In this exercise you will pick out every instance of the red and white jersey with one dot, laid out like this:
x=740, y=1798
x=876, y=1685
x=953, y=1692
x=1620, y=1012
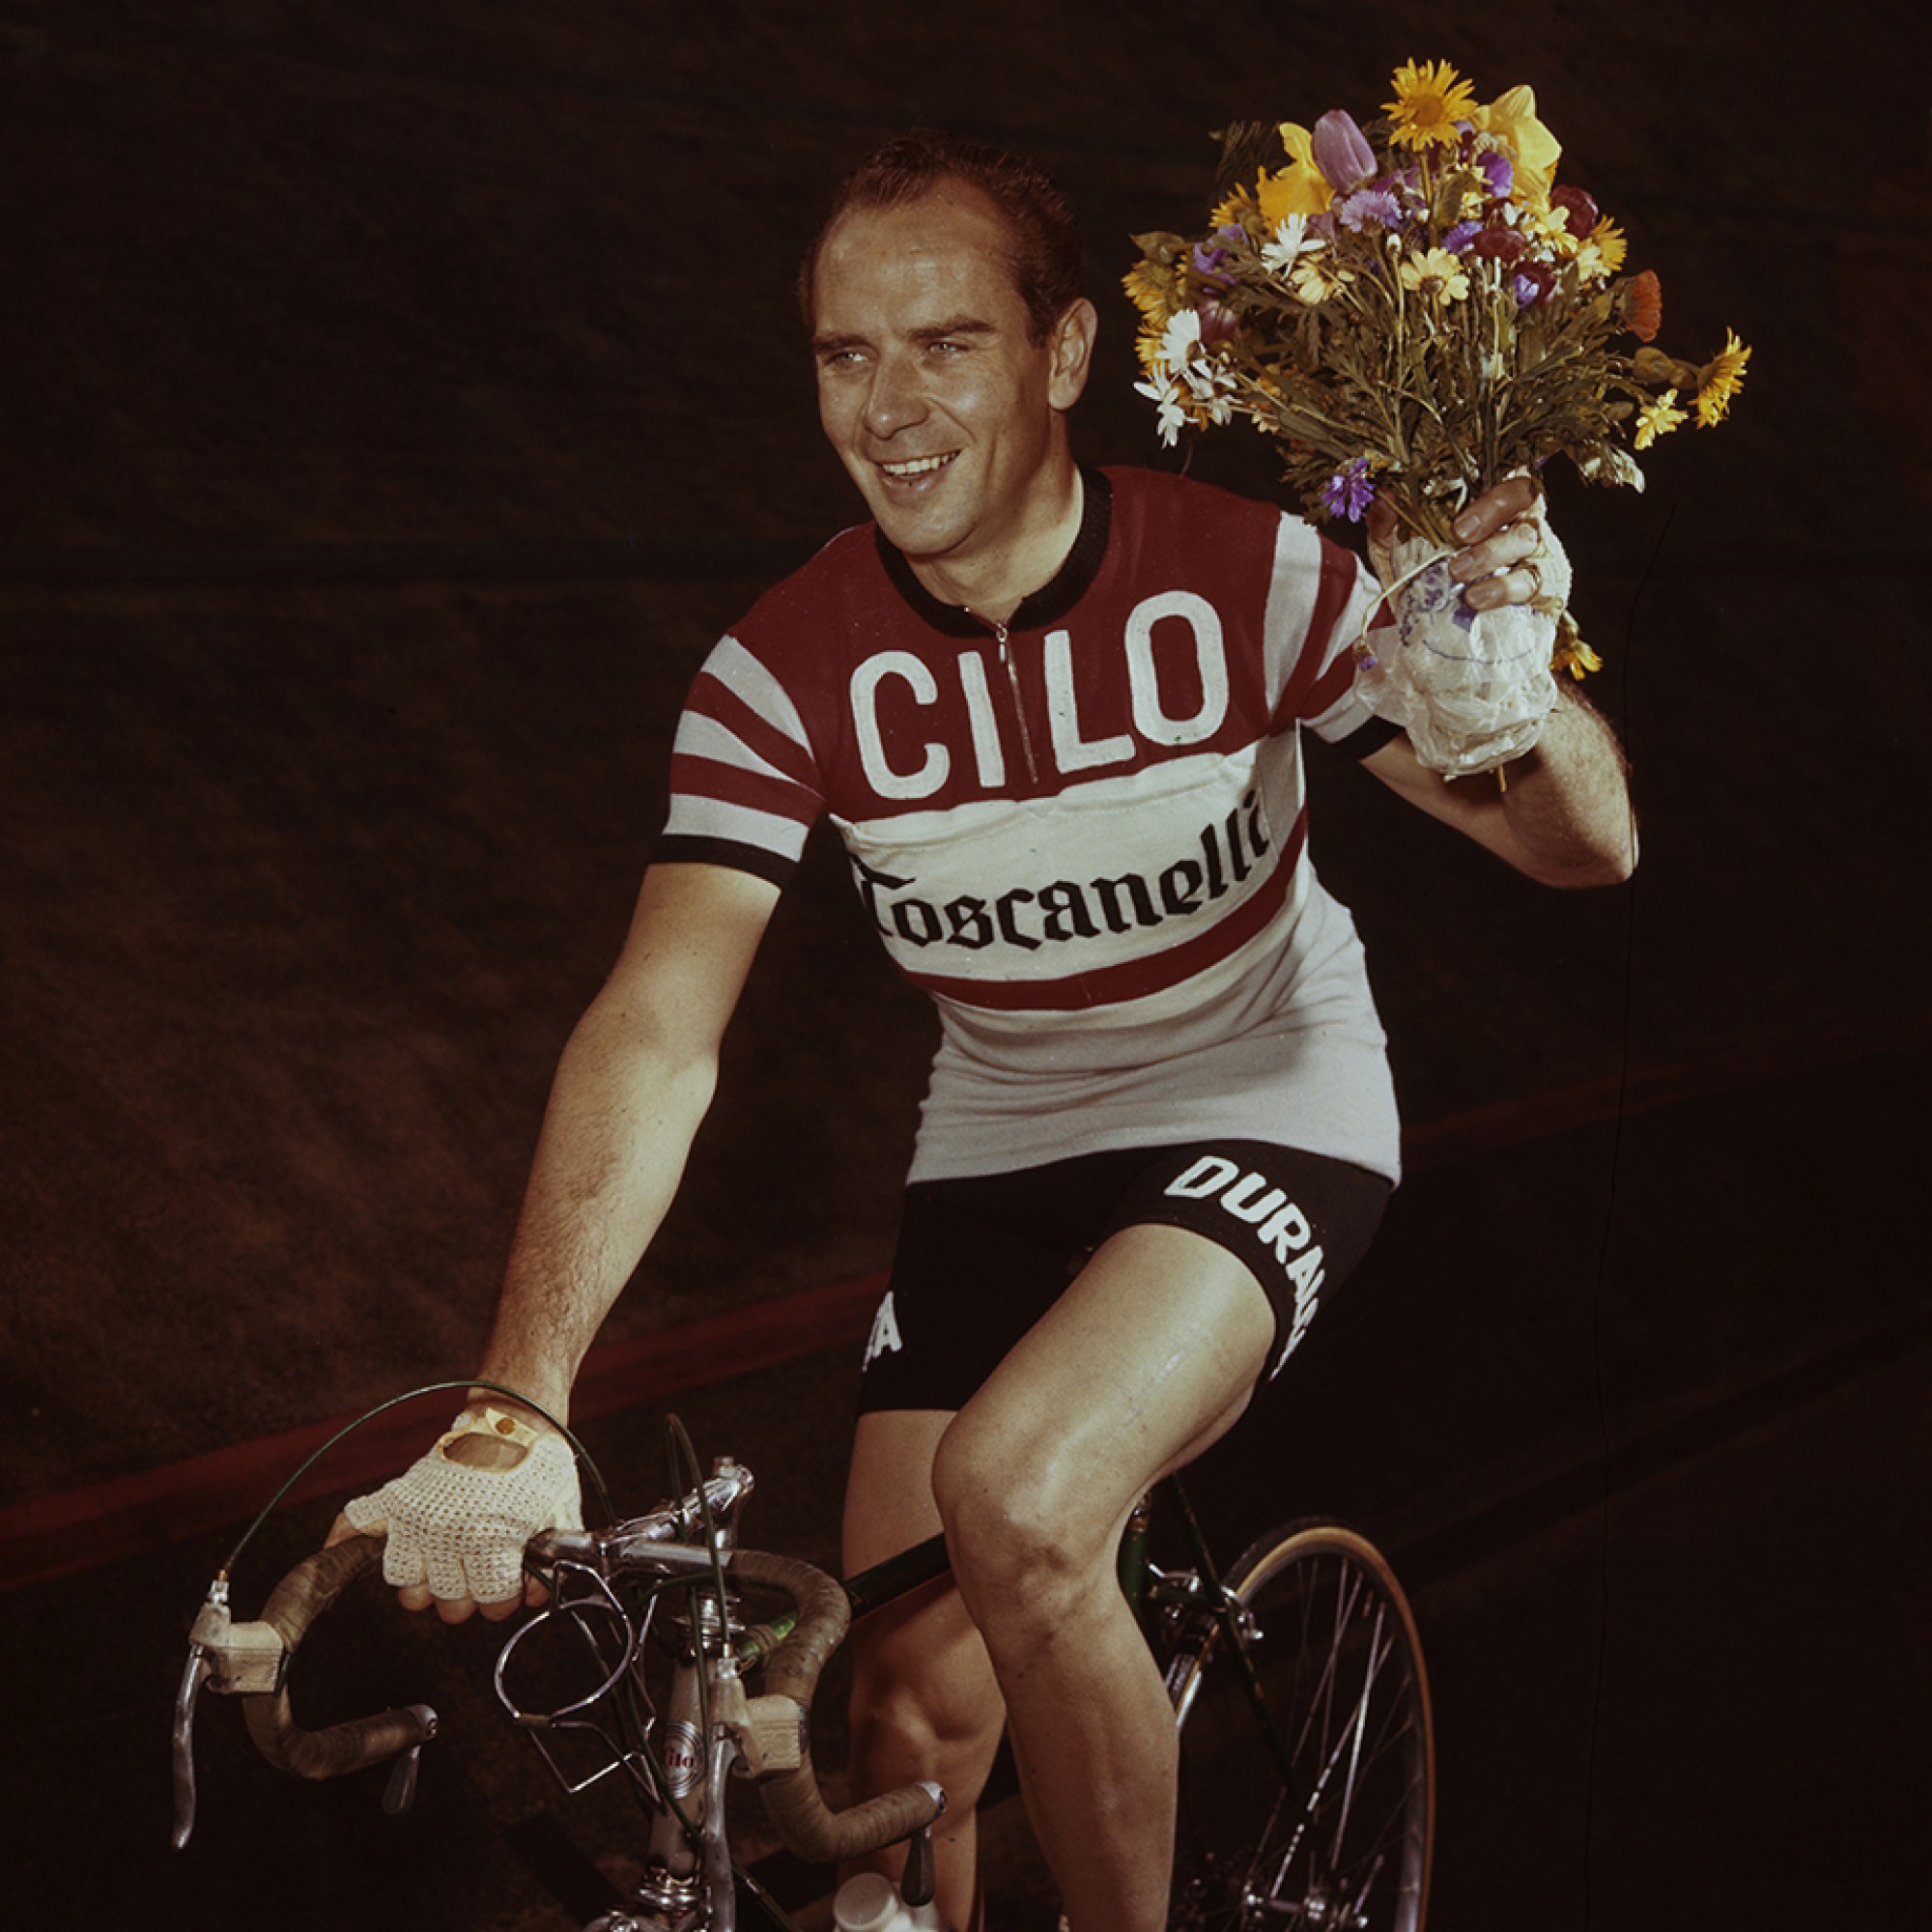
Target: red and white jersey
x=1083, y=835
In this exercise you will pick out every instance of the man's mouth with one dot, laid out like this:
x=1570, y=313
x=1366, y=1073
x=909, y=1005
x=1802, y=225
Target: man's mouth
x=918, y=466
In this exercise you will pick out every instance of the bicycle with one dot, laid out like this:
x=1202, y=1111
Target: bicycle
x=1307, y=1786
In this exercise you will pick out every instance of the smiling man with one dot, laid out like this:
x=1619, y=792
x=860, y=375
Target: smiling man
x=1054, y=715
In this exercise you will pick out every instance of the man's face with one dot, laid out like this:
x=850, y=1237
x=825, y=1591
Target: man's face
x=945, y=413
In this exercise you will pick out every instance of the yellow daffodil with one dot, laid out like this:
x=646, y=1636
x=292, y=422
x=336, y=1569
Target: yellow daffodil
x=1510, y=118
x=1659, y=418
x=1429, y=98
x=1438, y=273
x=1721, y=381
x=1300, y=187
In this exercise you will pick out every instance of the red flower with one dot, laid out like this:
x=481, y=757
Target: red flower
x=1642, y=306
x=1499, y=244
x=1582, y=207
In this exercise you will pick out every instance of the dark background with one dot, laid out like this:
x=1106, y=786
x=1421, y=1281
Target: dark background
x=400, y=399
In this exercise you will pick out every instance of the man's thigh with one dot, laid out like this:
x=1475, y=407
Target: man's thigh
x=1150, y=1356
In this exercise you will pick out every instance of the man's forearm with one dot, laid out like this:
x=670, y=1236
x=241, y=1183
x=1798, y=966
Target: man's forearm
x=1567, y=803
x=616, y=1135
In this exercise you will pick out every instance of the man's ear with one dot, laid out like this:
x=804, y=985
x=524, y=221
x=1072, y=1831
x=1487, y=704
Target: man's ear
x=1072, y=346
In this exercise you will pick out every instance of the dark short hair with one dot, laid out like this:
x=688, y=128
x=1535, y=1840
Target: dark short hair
x=1042, y=243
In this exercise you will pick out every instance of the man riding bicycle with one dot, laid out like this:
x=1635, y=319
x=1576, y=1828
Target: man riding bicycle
x=1055, y=713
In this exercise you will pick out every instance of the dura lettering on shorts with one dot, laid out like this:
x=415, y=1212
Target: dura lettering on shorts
x=885, y=1333
x=1276, y=1223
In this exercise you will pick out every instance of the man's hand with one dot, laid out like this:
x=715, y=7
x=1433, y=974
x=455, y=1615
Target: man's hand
x=456, y=1520
x=1501, y=535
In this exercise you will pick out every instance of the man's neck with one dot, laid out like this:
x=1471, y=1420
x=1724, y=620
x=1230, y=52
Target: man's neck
x=993, y=587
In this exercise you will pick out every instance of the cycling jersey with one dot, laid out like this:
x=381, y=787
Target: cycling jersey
x=1083, y=833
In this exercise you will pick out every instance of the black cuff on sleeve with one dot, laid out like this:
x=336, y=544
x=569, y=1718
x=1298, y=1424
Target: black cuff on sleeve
x=1369, y=737
x=689, y=849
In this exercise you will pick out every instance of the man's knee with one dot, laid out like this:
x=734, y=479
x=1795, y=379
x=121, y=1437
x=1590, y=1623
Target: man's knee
x=1020, y=1548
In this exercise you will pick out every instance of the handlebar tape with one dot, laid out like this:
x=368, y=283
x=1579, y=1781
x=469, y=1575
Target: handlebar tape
x=299, y=1599
x=793, y=1803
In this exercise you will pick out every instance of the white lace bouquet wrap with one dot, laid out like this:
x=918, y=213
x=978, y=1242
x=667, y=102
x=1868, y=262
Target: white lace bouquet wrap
x=1471, y=688
x=461, y=1530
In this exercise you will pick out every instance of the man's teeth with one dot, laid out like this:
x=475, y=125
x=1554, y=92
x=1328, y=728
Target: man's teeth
x=919, y=465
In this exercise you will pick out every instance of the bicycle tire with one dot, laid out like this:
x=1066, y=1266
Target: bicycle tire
x=1335, y=1649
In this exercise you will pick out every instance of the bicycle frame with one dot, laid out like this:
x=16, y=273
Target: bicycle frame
x=1184, y=1614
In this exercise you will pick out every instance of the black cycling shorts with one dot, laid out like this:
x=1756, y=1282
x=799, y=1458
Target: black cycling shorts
x=980, y=1260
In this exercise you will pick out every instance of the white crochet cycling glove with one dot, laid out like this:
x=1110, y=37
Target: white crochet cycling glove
x=463, y=1530
x=1471, y=689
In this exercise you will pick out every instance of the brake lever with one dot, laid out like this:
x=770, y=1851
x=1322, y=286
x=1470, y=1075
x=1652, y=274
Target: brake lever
x=194, y=1677
x=229, y=1658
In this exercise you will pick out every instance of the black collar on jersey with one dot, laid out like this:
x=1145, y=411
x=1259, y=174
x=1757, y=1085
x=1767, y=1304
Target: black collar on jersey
x=1052, y=601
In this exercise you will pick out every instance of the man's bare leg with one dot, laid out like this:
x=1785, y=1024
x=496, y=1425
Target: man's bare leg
x=1150, y=1356
x=924, y=1700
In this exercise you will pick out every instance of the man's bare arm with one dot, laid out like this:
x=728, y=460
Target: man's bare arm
x=633, y=1084
x=1561, y=813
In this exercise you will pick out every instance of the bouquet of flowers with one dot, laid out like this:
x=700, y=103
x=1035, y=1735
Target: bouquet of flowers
x=1412, y=312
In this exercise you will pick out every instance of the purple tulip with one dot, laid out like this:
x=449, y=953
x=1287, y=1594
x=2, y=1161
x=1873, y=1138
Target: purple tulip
x=1342, y=151
x=1498, y=172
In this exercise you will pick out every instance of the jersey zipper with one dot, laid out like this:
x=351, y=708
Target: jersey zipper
x=1019, y=709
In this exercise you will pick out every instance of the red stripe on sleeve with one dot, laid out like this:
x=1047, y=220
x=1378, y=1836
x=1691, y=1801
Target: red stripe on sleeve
x=1331, y=599
x=711, y=697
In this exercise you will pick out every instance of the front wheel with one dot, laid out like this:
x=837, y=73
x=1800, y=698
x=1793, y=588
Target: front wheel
x=1318, y=1816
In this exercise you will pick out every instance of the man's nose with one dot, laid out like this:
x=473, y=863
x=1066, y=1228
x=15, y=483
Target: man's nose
x=895, y=399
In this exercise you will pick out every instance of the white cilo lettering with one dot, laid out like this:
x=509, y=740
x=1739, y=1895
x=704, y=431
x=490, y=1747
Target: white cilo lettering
x=1070, y=751
x=865, y=682
x=1210, y=656
x=987, y=756
x=1207, y=1176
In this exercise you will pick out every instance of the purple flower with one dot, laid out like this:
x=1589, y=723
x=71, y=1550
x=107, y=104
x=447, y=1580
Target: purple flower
x=1349, y=492
x=1208, y=263
x=1498, y=171
x=1531, y=283
x=1342, y=151
x=1367, y=204
x=1460, y=236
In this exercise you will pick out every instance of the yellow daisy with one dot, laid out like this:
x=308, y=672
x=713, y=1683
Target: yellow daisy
x=1659, y=418
x=1429, y=101
x=1150, y=288
x=1239, y=210
x=1438, y=273
x=1722, y=379
x=1318, y=276
x=1602, y=250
